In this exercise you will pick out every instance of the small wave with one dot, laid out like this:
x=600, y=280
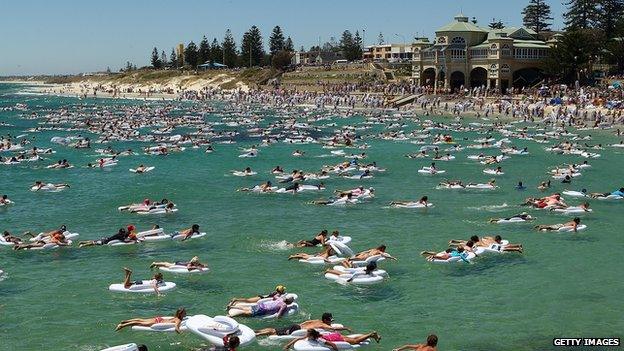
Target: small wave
x=276, y=246
x=490, y=208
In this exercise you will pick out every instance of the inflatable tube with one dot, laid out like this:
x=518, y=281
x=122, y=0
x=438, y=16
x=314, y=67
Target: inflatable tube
x=214, y=329
x=301, y=333
x=492, y=172
x=48, y=188
x=513, y=220
x=428, y=170
x=469, y=257
x=243, y=174
x=574, y=193
x=121, y=243
x=610, y=197
x=359, y=279
x=150, y=232
x=412, y=205
x=571, y=229
x=162, y=327
x=492, y=248
x=184, y=270
x=341, y=249
x=572, y=210
x=319, y=260
x=177, y=236
x=67, y=235
x=450, y=186
x=144, y=288
x=481, y=186
x=125, y=347
x=155, y=238
x=249, y=304
x=49, y=246
x=157, y=211
x=309, y=345
x=376, y=258
x=341, y=239
x=292, y=309
x=147, y=169
x=4, y=242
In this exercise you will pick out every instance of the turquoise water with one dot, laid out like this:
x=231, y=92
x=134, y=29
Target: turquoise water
x=564, y=285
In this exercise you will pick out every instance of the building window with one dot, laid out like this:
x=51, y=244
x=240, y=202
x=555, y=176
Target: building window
x=506, y=50
x=458, y=40
x=457, y=54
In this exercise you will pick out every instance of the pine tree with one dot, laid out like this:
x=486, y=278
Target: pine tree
x=229, y=49
x=610, y=11
x=216, y=53
x=252, y=50
x=496, y=24
x=581, y=14
x=358, y=46
x=289, y=45
x=380, y=39
x=276, y=40
x=173, y=59
x=347, y=44
x=536, y=16
x=191, y=55
x=204, y=51
x=163, y=59
x=156, y=63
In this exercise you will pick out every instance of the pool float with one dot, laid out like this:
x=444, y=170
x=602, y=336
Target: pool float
x=147, y=169
x=144, y=288
x=411, y=205
x=177, y=236
x=492, y=172
x=178, y=269
x=310, y=345
x=162, y=327
x=124, y=347
x=214, y=329
x=455, y=259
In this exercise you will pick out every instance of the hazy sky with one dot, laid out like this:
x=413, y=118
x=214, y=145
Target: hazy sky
x=72, y=36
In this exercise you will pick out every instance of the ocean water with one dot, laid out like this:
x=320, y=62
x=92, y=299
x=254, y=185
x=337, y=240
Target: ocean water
x=564, y=285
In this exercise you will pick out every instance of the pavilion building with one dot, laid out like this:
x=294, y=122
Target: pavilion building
x=469, y=56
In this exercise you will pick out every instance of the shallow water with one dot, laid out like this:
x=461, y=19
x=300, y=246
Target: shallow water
x=565, y=285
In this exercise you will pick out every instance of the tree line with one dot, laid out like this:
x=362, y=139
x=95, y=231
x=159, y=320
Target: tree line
x=250, y=53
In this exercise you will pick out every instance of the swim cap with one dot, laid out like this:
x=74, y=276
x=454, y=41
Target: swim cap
x=280, y=288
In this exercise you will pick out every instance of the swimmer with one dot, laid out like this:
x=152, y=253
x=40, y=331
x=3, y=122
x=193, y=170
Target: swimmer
x=330, y=338
x=555, y=227
x=319, y=239
x=325, y=323
x=156, y=280
x=179, y=315
x=189, y=232
x=430, y=345
x=193, y=264
x=362, y=256
x=324, y=254
x=278, y=306
x=279, y=291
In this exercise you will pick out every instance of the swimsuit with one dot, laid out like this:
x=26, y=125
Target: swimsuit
x=287, y=330
x=333, y=337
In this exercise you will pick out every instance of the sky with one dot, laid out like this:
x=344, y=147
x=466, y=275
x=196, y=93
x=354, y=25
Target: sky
x=74, y=36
